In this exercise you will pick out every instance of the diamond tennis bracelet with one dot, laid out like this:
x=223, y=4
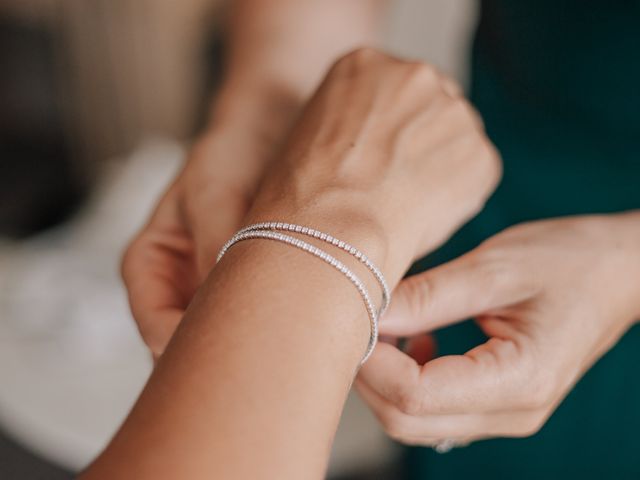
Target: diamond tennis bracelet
x=310, y=232
x=266, y=231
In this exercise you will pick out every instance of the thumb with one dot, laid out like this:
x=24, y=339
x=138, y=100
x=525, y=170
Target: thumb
x=473, y=284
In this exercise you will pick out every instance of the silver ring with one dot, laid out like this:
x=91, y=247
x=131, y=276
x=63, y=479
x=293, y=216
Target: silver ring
x=445, y=446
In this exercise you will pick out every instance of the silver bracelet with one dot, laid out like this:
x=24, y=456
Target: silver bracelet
x=325, y=237
x=334, y=262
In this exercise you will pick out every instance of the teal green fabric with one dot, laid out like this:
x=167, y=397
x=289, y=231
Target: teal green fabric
x=558, y=85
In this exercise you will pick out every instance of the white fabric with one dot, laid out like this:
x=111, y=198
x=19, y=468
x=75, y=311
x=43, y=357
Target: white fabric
x=71, y=361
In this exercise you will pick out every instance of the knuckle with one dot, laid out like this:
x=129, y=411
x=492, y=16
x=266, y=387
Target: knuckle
x=452, y=87
x=462, y=111
x=539, y=392
x=418, y=290
x=494, y=266
x=531, y=426
x=358, y=57
x=500, y=267
x=424, y=73
x=490, y=156
x=409, y=400
x=485, y=168
x=493, y=162
x=394, y=425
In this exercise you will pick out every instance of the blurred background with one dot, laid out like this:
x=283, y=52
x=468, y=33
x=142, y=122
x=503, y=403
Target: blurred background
x=98, y=102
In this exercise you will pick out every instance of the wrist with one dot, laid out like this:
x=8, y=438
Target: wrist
x=263, y=109
x=243, y=132
x=338, y=214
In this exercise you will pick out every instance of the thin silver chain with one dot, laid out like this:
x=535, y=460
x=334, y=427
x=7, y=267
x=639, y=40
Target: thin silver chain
x=247, y=234
x=325, y=237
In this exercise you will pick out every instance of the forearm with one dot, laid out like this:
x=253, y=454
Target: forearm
x=254, y=380
x=279, y=49
x=253, y=383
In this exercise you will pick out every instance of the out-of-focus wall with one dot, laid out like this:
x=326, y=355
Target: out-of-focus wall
x=136, y=66
x=438, y=31
x=125, y=68
x=129, y=68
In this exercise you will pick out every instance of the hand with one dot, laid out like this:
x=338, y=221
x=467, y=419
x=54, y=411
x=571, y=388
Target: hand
x=174, y=252
x=388, y=156
x=552, y=296
x=274, y=324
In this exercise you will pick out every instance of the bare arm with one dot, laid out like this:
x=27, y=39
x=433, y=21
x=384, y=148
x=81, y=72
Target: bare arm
x=280, y=49
x=253, y=382
x=247, y=388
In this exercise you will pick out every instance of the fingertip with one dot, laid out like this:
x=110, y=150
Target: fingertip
x=157, y=327
x=407, y=314
x=389, y=370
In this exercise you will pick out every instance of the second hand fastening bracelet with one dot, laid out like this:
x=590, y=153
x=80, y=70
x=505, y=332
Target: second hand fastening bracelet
x=266, y=231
